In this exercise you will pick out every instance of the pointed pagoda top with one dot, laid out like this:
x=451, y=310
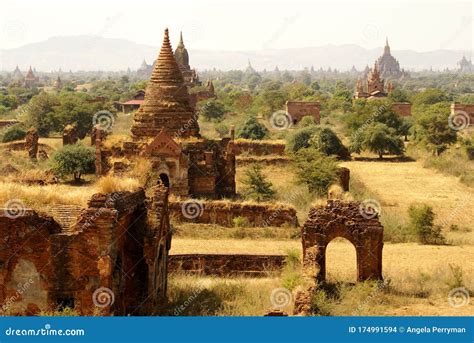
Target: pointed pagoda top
x=30, y=74
x=386, y=49
x=167, y=103
x=181, y=54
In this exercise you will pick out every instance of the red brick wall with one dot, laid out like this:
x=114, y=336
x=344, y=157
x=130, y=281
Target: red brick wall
x=300, y=109
x=467, y=108
x=403, y=109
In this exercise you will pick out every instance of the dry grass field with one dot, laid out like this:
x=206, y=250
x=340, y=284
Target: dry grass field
x=397, y=185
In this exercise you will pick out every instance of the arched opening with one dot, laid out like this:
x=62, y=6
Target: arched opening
x=341, y=261
x=165, y=180
x=295, y=121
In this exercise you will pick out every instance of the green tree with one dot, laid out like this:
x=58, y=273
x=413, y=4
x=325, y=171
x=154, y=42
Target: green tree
x=256, y=185
x=422, y=223
x=212, y=109
x=326, y=141
x=41, y=114
x=432, y=128
x=300, y=138
x=378, y=138
x=252, y=129
x=74, y=160
x=13, y=133
x=315, y=170
x=430, y=96
x=398, y=95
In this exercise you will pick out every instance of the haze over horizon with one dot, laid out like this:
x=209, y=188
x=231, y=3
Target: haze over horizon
x=246, y=25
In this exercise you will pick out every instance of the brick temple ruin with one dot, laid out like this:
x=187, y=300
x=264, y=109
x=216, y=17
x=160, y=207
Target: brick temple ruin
x=299, y=109
x=166, y=132
x=346, y=220
x=111, y=260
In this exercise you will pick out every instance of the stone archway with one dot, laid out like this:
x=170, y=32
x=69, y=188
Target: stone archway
x=343, y=219
x=165, y=180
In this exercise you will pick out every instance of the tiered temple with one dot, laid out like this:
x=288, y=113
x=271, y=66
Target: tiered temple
x=166, y=104
x=166, y=132
x=388, y=65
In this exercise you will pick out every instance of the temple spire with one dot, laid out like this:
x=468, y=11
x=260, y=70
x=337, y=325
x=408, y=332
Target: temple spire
x=386, y=50
x=181, y=43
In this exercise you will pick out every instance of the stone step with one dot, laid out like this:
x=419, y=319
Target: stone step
x=66, y=215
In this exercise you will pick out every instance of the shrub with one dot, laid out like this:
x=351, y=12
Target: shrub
x=256, y=185
x=315, y=170
x=212, y=109
x=252, y=129
x=422, y=223
x=432, y=128
x=378, y=138
x=300, y=139
x=75, y=160
x=222, y=129
x=328, y=142
x=13, y=133
x=240, y=222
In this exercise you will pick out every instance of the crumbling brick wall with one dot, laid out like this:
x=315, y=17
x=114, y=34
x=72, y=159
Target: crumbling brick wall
x=223, y=213
x=403, y=109
x=258, y=148
x=113, y=260
x=349, y=220
x=299, y=109
x=464, y=110
x=225, y=265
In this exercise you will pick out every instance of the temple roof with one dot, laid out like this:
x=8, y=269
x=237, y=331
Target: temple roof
x=166, y=104
x=181, y=54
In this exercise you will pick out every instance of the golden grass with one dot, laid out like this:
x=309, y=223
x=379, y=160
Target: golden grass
x=419, y=275
x=41, y=197
x=400, y=184
x=109, y=184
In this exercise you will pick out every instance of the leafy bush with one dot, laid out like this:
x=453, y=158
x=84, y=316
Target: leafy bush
x=222, y=129
x=13, y=133
x=213, y=109
x=378, y=138
x=432, y=128
x=252, y=129
x=422, y=223
x=328, y=142
x=240, y=222
x=300, y=139
x=257, y=187
x=315, y=170
x=75, y=160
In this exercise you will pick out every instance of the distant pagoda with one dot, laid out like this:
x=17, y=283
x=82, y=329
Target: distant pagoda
x=388, y=65
x=166, y=104
x=182, y=57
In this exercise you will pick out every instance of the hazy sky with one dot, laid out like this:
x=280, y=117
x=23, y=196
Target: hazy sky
x=243, y=25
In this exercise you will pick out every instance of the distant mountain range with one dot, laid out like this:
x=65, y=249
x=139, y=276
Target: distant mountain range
x=97, y=53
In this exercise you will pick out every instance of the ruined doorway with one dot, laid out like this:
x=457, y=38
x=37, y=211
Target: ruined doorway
x=165, y=180
x=341, y=261
x=343, y=219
